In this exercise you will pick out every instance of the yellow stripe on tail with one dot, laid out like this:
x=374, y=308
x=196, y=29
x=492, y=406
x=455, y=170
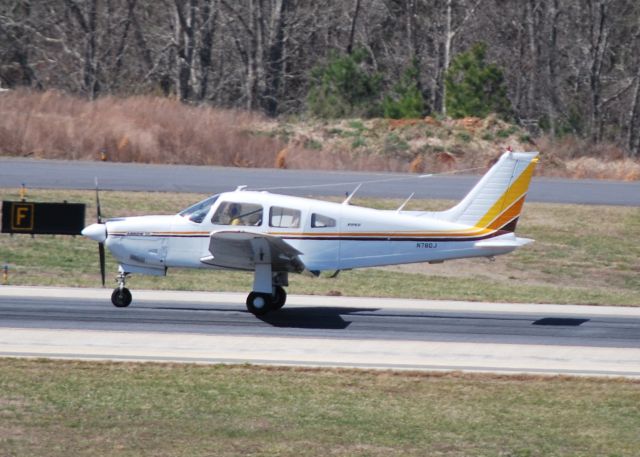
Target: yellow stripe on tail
x=509, y=206
x=496, y=202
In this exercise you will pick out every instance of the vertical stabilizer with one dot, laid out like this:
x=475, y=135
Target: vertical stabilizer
x=496, y=201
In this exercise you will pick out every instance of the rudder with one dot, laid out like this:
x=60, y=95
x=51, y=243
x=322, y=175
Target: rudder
x=496, y=201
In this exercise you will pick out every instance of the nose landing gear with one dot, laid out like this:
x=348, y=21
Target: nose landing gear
x=121, y=296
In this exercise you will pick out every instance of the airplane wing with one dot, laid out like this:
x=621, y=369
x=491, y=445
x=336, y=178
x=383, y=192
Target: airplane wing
x=242, y=250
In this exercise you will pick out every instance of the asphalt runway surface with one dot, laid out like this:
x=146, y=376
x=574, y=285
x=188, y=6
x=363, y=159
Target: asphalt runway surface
x=48, y=174
x=321, y=331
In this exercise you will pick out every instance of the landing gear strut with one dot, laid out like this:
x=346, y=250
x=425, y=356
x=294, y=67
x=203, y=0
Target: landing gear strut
x=121, y=296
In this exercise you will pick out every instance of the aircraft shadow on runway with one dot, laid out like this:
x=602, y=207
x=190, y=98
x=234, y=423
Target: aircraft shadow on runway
x=561, y=321
x=336, y=318
x=317, y=318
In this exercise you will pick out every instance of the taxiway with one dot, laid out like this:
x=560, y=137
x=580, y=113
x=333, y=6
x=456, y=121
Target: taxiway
x=62, y=174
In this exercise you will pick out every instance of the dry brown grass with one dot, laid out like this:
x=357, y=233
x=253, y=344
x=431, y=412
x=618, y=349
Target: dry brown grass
x=593, y=168
x=135, y=129
x=162, y=130
x=573, y=157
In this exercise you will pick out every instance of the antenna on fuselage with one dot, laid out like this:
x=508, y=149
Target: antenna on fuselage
x=240, y=188
x=350, y=196
x=405, y=202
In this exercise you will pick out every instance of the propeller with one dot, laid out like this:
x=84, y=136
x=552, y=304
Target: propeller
x=101, y=244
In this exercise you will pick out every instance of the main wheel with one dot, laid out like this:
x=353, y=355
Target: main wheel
x=121, y=298
x=280, y=298
x=259, y=303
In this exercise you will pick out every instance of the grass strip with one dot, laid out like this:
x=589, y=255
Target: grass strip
x=64, y=408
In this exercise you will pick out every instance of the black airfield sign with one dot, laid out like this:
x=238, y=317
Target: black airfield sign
x=42, y=218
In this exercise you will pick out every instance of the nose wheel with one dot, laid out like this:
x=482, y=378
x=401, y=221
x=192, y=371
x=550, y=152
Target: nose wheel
x=121, y=296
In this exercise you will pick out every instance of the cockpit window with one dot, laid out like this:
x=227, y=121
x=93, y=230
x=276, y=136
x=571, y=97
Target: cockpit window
x=196, y=213
x=320, y=221
x=234, y=213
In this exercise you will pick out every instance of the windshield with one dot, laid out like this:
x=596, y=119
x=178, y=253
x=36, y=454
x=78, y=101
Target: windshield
x=197, y=212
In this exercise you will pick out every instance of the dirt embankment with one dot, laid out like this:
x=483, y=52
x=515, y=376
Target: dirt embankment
x=160, y=130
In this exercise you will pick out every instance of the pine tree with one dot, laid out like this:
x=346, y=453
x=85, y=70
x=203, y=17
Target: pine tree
x=344, y=87
x=475, y=88
x=404, y=101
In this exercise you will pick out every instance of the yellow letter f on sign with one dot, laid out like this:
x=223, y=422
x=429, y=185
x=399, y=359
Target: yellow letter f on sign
x=22, y=216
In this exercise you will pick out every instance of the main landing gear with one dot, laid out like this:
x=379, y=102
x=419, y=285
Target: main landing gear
x=121, y=296
x=260, y=302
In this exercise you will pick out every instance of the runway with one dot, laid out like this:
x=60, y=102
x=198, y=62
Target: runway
x=321, y=331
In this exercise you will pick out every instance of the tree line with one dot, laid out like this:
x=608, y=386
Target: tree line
x=559, y=67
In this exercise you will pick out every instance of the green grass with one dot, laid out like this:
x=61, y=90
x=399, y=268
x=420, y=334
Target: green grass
x=506, y=133
x=357, y=125
x=358, y=142
x=464, y=137
x=395, y=144
x=313, y=144
x=86, y=409
x=582, y=254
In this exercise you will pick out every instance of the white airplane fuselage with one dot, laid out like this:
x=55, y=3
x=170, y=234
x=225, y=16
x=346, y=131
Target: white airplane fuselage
x=273, y=235
x=361, y=237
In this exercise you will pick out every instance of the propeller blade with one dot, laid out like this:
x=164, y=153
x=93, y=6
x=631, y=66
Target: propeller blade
x=102, y=262
x=100, y=245
x=98, y=210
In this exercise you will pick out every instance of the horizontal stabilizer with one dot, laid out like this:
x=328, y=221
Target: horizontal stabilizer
x=509, y=243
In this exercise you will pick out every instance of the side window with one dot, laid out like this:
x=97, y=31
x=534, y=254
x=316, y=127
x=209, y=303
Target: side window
x=232, y=213
x=320, y=221
x=284, y=217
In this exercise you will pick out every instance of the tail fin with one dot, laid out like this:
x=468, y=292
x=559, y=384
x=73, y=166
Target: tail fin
x=496, y=201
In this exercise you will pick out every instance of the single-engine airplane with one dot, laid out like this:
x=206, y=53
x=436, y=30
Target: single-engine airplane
x=273, y=235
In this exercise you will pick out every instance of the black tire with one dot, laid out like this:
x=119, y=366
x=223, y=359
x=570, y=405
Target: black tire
x=259, y=303
x=121, y=298
x=279, y=299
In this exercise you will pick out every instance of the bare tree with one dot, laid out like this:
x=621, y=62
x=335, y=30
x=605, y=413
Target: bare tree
x=87, y=19
x=453, y=26
x=572, y=65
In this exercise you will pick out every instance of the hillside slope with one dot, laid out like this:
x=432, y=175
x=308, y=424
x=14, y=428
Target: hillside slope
x=160, y=130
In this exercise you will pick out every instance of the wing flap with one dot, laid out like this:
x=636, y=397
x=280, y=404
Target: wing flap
x=242, y=250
